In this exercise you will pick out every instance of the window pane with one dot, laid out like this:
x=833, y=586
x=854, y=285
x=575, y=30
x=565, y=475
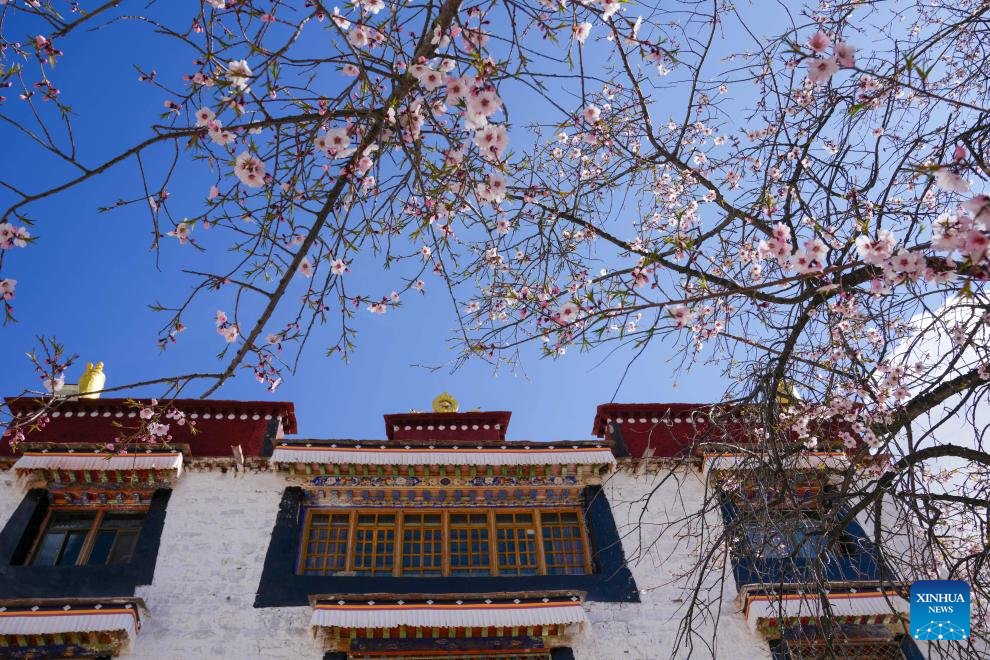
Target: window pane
x=516, y=544
x=563, y=545
x=421, y=544
x=325, y=551
x=48, y=549
x=374, y=544
x=73, y=545
x=101, y=547
x=123, y=549
x=469, y=544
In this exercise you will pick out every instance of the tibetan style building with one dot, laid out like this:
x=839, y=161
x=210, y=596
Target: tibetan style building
x=442, y=541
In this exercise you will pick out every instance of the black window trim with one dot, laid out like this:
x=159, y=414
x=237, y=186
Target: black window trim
x=280, y=586
x=21, y=580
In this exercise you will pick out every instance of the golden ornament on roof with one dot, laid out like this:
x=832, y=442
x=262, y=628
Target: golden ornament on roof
x=445, y=403
x=786, y=393
x=92, y=381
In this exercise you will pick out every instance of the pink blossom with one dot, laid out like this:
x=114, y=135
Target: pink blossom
x=484, y=102
x=493, y=190
x=876, y=251
x=250, y=170
x=978, y=208
x=228, y=332
x=502, y=226
x=581, y=31
x=204, y=116
x=950, y=181
x=492, y=141
x=239, y=74
x=845, y=54
x=11, y=236
x=567, y=313
x=819, y=42
x=425, y=252
x=377, y=308
x=682, y=315
x=976, y=244
x=350, y=70
x=609, y=7
x=458, y=88
x=181, y=232
x=221, y=317
x=338, y=267
x=305, y=268
x=218, y=135
x=592, y=114
x=369, y=6
x=821, y=69
x=158, y=429
x=147, y=413
x=335, y=143
x=214, y=192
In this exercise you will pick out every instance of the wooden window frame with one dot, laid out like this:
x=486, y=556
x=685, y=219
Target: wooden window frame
x=493, y=568
x=94, y=528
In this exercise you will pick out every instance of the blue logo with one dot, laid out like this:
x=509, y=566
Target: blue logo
x=940, y=610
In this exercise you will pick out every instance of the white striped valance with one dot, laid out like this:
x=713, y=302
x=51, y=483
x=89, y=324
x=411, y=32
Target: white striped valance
x=795, y=606
x=448, y=615
x=443, y=456
x=47, y=622
x=99, y=462
x=803, y=461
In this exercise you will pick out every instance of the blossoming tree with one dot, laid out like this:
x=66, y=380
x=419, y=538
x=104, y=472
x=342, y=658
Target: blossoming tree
x=802, y=205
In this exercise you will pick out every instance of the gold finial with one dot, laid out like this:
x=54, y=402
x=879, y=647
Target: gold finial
x=445, y=403
x=92, y=380
x=786, y=393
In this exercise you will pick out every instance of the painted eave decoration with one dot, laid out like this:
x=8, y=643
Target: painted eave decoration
x=767, y=613
x=85, y=629
x=804, y=460
x=49, y=463
x=572, y=458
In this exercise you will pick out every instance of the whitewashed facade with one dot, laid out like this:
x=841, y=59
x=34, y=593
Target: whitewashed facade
x=205, y=599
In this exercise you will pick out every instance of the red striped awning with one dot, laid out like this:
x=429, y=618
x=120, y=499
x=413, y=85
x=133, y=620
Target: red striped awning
x=99, y=462
x=859, y=607
x=51, y=622
x=447, y=615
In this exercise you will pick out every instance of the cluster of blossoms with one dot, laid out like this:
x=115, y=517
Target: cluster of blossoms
x=820, y=67
x=250, y=169
x=225, y=328
x=11, y=236
x=156, y=422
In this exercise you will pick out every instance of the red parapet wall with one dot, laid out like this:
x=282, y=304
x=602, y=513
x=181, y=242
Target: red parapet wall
x=467, y=427
x=218, y=424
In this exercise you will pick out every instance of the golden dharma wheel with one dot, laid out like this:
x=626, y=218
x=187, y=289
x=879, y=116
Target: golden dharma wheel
x=445, y=403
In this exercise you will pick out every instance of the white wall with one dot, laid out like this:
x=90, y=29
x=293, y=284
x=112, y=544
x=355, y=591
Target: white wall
x=217, y=529
x=648, y=630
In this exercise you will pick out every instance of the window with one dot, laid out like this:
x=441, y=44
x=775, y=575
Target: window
x=374, y=544
x=422, y=543
x=799, y=536
x=563, y=543
x=326, y=543
x=87, y=537
x=454, y=542
x=470, y=552
x=515, y=535
x=888, y=647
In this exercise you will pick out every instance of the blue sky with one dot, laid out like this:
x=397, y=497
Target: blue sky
x=90, y=277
